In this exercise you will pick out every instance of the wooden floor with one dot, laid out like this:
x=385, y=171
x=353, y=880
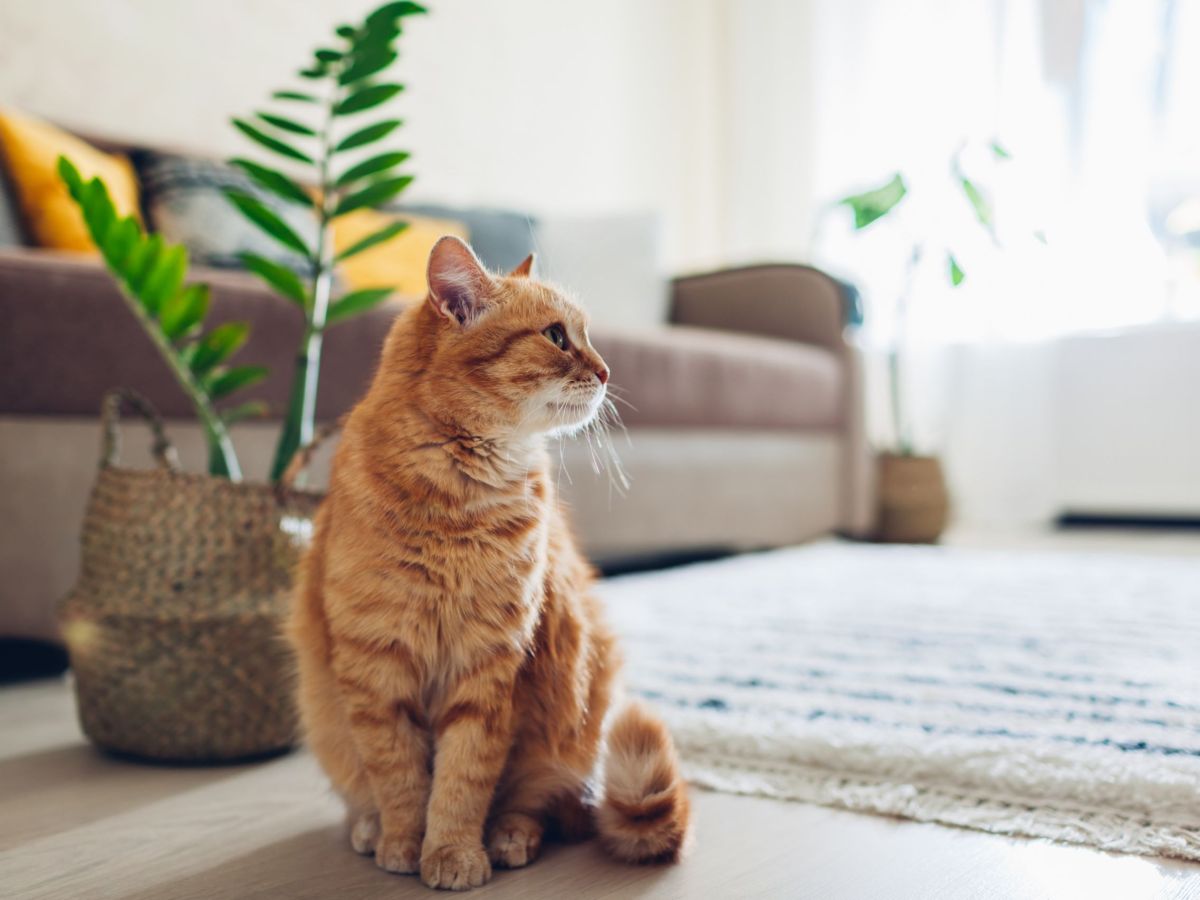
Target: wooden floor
x=77, y=824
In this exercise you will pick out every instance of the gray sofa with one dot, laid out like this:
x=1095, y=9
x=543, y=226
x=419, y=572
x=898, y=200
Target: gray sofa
x=744, y=413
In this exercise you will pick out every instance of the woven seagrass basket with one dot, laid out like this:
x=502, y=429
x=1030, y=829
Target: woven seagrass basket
x=173, y=628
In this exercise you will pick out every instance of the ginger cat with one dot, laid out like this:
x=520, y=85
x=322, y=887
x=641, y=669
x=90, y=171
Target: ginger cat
x=456, y=675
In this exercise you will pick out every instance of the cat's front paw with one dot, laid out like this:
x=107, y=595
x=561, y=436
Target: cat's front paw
x=399, y=853
x=364, y=833
x=513, y=840
x=455, y=867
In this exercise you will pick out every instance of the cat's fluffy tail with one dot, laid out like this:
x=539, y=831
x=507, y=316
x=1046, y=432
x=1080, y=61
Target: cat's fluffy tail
x=645, y=812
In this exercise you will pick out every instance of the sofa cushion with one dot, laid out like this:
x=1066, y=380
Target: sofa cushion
x=685, y=377
x=66, y=336
x=674, y=376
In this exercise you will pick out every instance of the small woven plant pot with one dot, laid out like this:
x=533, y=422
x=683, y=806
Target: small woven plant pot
x=914, y=505
x=173, y=628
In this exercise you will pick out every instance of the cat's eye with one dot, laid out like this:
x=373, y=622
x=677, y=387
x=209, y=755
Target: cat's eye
x=556, y=335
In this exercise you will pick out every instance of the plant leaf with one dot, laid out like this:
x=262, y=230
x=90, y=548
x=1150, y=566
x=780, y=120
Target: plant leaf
x=183, y=311
x=254, y=210
x=382, y=235
x=251, y=409
x=275, y=182
x=218, y=345
x=390, y=12
x=346, y=31
x=367, y=135
x=314, y=73
x=979, y=203
x=120, y=241
x=95, y=205
x=298, y=96
x=142, y=261
x=269, y=142
x=356, y=302
x=367, y=64
x=285, y=124
x=371, y=166
x=70, y=176
x=954, y=270
x=876, y=203
x=283, y=279
x=998, y=151
x=98, y=211
x=165, y=278
x=367, y=98
x=225, y=381
x=373, y=194
x=326, y=55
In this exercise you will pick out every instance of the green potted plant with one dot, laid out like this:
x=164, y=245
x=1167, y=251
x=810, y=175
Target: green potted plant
x=173, y=625
x=914, y=503
x=345, y=80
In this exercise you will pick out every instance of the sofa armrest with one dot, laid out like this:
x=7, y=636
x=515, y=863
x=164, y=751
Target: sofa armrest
x=794, y=302
x=66, y=336
x=797, y=303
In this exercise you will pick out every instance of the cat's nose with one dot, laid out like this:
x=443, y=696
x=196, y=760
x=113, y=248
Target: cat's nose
x=602, y=373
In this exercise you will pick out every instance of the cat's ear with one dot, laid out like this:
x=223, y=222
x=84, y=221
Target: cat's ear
x=525, y=269
x=459, y=285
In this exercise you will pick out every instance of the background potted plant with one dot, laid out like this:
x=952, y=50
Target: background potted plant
x=173, y=625
x=914, y=503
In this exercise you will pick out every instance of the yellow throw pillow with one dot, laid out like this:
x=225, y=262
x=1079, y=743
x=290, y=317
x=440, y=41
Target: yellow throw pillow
x=31, y=150
x=398, y=263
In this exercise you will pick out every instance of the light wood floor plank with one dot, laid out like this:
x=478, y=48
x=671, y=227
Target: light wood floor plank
x=77, y=824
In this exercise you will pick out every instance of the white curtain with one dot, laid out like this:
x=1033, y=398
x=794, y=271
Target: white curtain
x=1098, y=103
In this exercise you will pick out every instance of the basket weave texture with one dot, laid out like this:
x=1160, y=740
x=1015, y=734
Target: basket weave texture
x=173, y=627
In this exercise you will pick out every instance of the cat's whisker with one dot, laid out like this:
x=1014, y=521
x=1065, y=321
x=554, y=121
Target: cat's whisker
x=617, y=399
x=606, y=458
x=562, y=464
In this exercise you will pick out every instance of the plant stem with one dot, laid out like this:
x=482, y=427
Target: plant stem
x=901, y=427
x=300, y=426
x=222, y=458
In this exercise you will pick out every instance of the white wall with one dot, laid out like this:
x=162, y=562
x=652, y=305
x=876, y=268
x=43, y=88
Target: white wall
x=540, y=104
x=1128, y=422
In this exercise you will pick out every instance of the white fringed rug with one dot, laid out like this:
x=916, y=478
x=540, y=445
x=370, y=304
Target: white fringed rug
x=1047, y=695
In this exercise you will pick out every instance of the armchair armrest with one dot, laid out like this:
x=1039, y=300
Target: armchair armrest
x=794, y=302
x=797, y=303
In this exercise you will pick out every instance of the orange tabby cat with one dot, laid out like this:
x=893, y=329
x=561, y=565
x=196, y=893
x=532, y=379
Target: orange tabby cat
x=455, y=671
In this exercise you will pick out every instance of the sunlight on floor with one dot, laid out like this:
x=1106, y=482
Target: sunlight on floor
x=1069, y=872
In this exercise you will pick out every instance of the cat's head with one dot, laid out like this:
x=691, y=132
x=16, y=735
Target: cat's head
x=509, y=354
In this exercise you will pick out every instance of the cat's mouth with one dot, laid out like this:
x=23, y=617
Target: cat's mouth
x=579, y=410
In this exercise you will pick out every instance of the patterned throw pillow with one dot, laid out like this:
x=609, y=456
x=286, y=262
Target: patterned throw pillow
x=184, y=199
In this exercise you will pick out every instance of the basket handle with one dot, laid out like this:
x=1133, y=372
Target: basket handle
x=302, y=458
x=110, y=417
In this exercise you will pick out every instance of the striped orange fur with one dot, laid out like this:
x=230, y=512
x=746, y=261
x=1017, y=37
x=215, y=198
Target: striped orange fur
x=456, y=675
